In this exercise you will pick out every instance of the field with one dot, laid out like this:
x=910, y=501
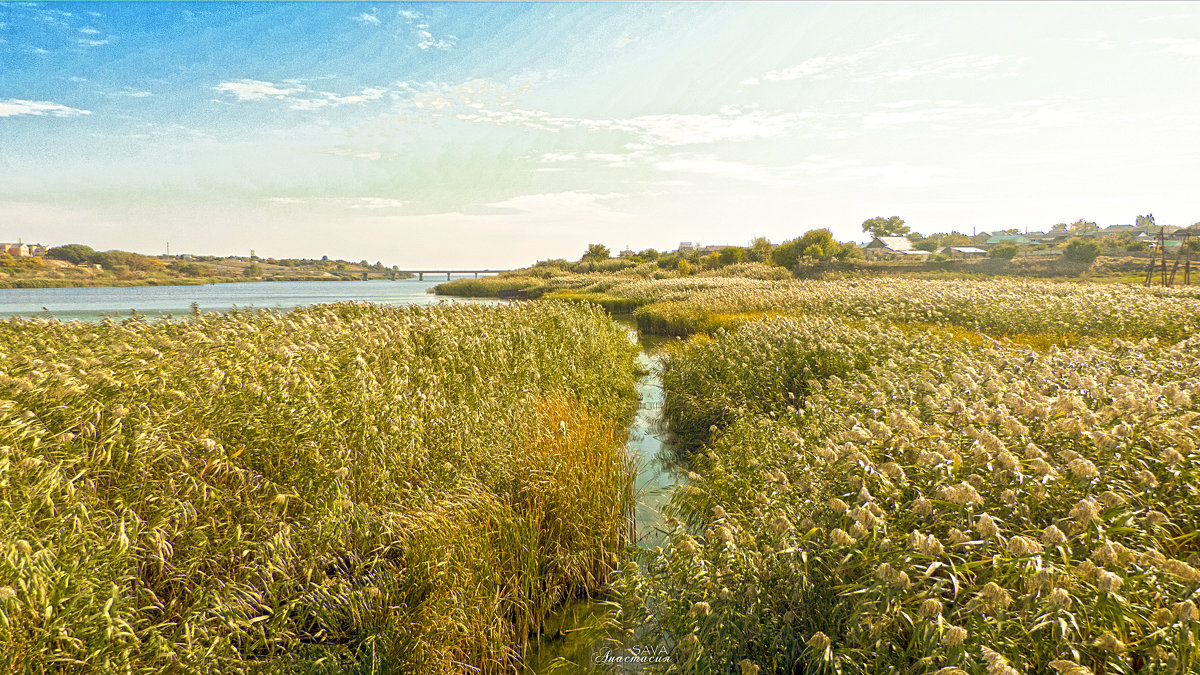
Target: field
x=342, y=488
x=926, y=477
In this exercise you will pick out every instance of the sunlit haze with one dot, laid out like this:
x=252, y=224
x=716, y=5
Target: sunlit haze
x=493, y=135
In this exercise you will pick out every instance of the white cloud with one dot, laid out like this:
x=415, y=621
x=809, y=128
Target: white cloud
x=820, y=67
x=92, y=43
x=13, y=107
x=257, y=90
x=132, y=93
x=366, y=18
x=89, y=31
x=295, y=94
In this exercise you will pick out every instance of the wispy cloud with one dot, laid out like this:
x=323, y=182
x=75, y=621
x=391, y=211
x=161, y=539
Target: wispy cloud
x=1100, y=39
x=826, y=67
x=416, y=25
x=131, y=93
x=368, y=19
x=84, y=42
x=341, y=202
x=1165, y=17
x=14, y=107
x=257, y=90
x=1179, y=46
x=958, y=66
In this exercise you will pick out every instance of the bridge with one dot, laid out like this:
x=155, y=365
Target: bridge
x=421, y=273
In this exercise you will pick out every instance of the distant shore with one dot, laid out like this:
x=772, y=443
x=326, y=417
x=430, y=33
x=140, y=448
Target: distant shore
x=175, y=281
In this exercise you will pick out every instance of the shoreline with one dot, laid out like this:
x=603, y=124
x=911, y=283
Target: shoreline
x=130, y=283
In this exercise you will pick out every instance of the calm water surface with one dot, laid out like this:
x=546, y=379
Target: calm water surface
x=95, y=303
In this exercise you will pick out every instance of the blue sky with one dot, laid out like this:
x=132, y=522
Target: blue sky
x=495, y=134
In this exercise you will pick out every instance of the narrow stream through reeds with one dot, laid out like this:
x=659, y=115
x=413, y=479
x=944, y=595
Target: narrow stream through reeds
x=571, y=633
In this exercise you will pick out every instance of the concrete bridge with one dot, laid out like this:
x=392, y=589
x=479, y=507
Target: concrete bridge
x=421, y=273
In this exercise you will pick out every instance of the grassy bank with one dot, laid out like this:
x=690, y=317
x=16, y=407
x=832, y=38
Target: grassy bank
x=876, y=495
x=343, y=487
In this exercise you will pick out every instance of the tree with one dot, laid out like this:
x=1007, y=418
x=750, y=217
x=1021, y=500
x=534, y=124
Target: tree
x=596, y=252
x=760, y=250
x=648, y=254
x=252, y=270
x=732, y=254
x=1082, y=250
x=73, y=253
x=927, y=244
x=1146, y=221
x=814, y=244
x=684, y=267
x=1082, y=226
x=1004, y=251
x=885, y=227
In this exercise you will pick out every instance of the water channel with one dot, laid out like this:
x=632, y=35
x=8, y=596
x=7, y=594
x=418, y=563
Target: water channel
x=572, y=635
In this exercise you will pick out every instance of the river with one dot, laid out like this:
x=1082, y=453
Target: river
x=96, y=302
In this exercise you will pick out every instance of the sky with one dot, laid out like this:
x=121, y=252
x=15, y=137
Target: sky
x=497, y=134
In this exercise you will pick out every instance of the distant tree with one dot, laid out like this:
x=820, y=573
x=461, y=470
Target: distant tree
x=191, y=269
x=683, y=267
x=252, y=270
x=760, y=250
x=1145, y=221
x=1137, y=246
x=73, y=253
x=648, y=254
x=121, y=261
x=885, y=227
x=1082, y=226
x=596, y=252
x=955, y=239
x=711, y=261
x=731, y=254
x=814, y=244
x=1082, y=250
x=1004, y=251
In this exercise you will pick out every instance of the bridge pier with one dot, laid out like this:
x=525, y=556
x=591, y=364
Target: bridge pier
x=477, y=275
x=447, y=276
x=420, y=276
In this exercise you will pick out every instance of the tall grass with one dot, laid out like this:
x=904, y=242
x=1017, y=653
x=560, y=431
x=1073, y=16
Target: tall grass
x=344, y=487
x=873, y=500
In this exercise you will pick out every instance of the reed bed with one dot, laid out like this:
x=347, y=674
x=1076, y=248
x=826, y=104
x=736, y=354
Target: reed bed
x=339, y=488
x=994, y=307
x=871, y=498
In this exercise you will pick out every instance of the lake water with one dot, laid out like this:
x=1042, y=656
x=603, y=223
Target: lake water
x=93, y=303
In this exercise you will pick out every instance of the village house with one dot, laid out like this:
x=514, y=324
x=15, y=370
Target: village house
x=1018, y=239
x=20, y=250
x=686, y=247
x=963, y=252
x=891, y=248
